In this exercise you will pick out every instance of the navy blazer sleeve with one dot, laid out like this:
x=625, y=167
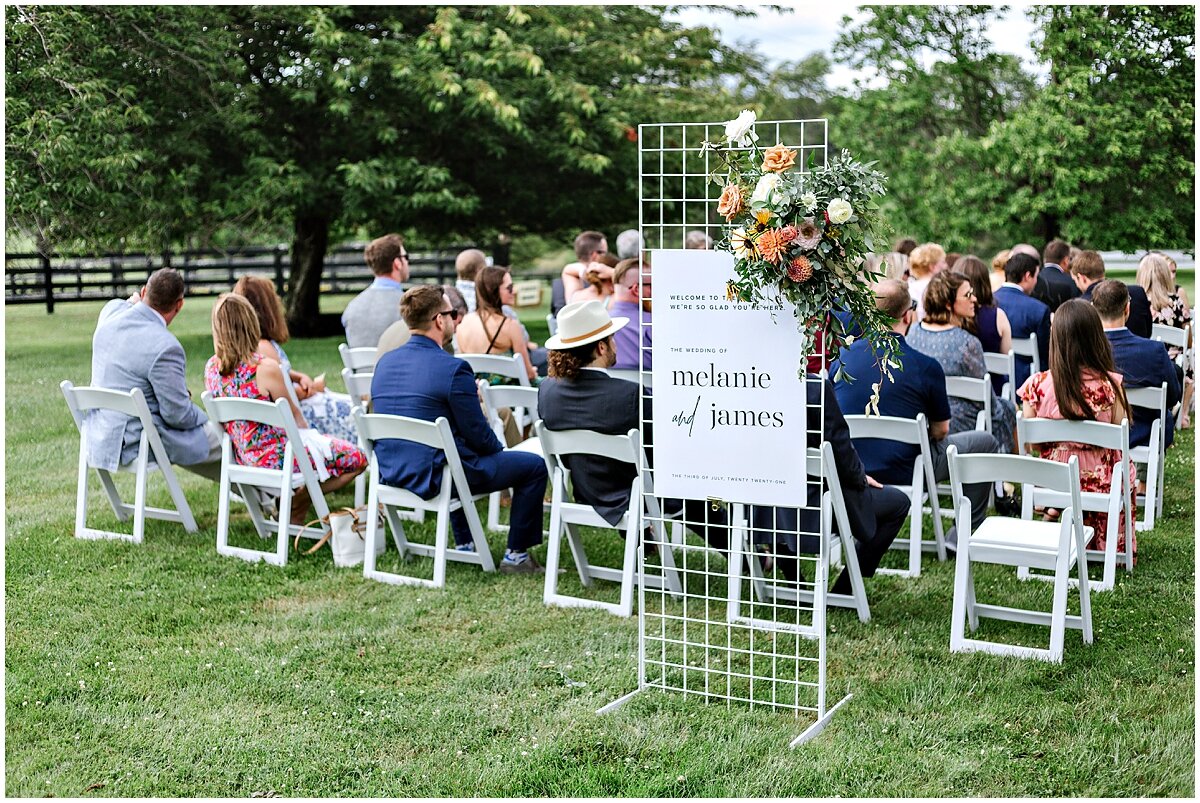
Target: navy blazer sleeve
x=467, y=418
x=1043, y=334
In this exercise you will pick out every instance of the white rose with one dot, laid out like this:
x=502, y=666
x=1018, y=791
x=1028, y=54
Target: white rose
x=839, y=211
x=766, y=185
x=738, y=132
x=808, y=201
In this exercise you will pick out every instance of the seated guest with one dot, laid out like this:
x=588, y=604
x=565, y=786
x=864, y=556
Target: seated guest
x=1180, y=290
x=378, y=307
x=1167, y=307
x=917, y=386
x=949, y=302
x=325, y=411
x=924, y=261
x=132, y=348
x=420, y=380
x=1081, y=385
x=488, y=330
x=905, y=246
x=238, y=370
x=589, y=247
x=1054, y=285
x=599, y=282
x=990, y=324
x=1026, y=315
x=1143, y=363
x=631, y=299
x=1088, y=271
x=629, y=244
x=997, y=275
x=697, y=241
x=467, y=266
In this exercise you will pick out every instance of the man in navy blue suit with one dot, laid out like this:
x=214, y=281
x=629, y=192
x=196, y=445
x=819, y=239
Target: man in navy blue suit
x=420, y=380
x=1026, y=315
x=1144, y=363
x=1054, y=284
x=1088, y=271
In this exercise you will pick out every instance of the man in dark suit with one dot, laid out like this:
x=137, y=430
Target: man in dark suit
x=1144, y=363
x=1026, y=315
x=420, y=380
x=1054, y=284
x=1088, y=271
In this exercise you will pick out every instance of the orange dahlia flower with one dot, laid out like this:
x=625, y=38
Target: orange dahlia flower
x=772, y=246
x=800, y=270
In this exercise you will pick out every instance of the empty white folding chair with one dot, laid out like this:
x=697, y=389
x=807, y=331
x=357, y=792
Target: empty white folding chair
x=820, y=465
x=1182, y=340
x=567, y=516
x=1052, y=546
x=921, y=491
x=552, y=324
x=1003, y=365
x=246, y=480
x=1027, y=347
x=151, y=455
x=358, y=359
x=522, y=401
x=454, y=493
x=1154, y=454
x=1117, y=500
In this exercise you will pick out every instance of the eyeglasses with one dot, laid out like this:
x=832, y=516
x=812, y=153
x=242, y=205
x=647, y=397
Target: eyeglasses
x=913, y=306
x=453, y=313
x=970, y=294
x=403, y=256
x=507, y=288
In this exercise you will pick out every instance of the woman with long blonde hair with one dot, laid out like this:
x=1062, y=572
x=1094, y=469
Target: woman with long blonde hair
x=238, y=370
x=1168, y=306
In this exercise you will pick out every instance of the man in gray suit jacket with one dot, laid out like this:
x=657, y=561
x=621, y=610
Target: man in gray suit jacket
x=373, y=310
x=132, y=348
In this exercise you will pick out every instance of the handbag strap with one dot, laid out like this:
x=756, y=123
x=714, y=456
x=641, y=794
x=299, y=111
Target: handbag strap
x=328, y=530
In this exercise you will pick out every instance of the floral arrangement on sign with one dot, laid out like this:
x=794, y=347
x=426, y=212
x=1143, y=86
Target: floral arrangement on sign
x=802, y=236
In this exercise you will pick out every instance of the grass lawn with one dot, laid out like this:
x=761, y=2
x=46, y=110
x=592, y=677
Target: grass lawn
x=165, y=670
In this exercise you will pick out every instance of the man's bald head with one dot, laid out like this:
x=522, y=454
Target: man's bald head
x=468, y=264
x=892, y=298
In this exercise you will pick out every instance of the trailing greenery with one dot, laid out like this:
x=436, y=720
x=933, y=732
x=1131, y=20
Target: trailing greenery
x=165, y=670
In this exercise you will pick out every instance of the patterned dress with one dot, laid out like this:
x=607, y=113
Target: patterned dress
x=1095, y=464
x=961, y=354
x=1176, y=316
x=259, y=445
x=327, y=412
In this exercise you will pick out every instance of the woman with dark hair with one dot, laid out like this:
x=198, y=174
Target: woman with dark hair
x=949, y=304
x=1081, y=385
x=990, y=324
x=488, y=330
x=238, y=370
x=325, y=411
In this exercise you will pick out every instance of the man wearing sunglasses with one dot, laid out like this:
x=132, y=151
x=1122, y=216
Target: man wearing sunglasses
x=375, y=309
x=421, y=380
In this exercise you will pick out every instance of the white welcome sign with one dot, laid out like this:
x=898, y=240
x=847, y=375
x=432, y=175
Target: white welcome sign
x=729, y=404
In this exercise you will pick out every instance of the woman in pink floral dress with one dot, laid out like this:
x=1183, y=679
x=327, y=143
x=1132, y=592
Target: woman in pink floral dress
x=1081, y=385
x=234, y=371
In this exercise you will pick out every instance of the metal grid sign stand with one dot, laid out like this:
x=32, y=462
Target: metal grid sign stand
x=749, y=626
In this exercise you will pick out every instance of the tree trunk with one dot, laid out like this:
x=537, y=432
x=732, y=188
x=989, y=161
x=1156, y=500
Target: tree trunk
x=309, y=244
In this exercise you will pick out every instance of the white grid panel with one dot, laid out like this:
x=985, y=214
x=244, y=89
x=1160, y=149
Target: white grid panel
x=749, y=627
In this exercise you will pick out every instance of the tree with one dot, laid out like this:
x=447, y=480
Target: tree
x=442, y=120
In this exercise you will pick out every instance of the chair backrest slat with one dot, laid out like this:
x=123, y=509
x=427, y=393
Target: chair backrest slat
x=584, y=441
x=378, y=426
x=358, y=359
x=91, y=398
x=513, y=367
x=358, y=385
x=969, y=388
x=1170, y=335
x=1018, y=469
x=1028, y=347
x=1089, y=433
x=511, y=396
x=887, y=427
x=1150, y=398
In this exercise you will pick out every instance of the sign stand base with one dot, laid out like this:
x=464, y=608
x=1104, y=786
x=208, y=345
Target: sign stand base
x=820, y=724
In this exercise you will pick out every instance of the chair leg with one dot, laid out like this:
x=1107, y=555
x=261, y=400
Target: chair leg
x=139, y=493
x=285, y=518
x=1058, y=612
x=629, y=574
x=958, y=612
x=372, y=535
x=223, y=512
x=915, y=536
x=181, y=503
x=81, y=493
x=553, y=546
x=441, y=539
x=1085, y=591
x=972, y=609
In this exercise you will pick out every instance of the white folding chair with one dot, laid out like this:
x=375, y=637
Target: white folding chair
x=568, y=516
x=247, y=479
x=631, y=375
x=1002, y=365
x=291, y=389
x=1006, y=541
x=1115, y=502
x=1153, y=455
x=522, y=400
x=151, y=455
x=358, y=385
x=1181, y=339
x=974, y=390
x=512, y=366
x=1027, y=347
x=922, y=489
x=552, y=324
x=359, y=359
x=454, y=494
x=820, y=466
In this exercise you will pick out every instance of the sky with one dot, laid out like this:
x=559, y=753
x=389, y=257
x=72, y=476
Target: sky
x=814, y=26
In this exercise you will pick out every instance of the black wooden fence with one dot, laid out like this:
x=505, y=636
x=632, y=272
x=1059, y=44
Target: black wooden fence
x=38, y=279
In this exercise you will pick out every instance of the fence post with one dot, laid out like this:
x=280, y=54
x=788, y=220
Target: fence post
x=48, y=279
x=279, y=251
